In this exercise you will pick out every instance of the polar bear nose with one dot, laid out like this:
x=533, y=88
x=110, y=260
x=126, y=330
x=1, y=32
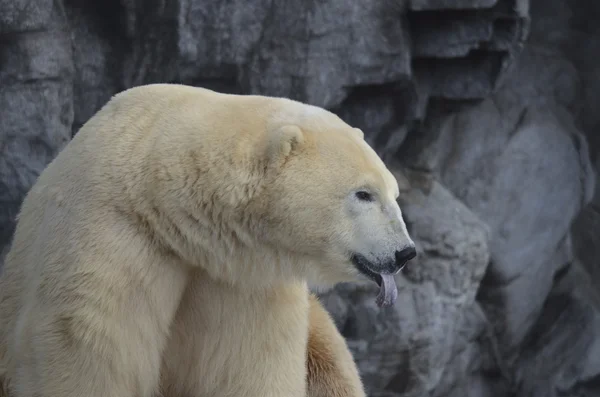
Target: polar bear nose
x=405, y=255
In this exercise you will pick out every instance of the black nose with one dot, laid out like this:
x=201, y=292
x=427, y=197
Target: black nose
x=405, y=255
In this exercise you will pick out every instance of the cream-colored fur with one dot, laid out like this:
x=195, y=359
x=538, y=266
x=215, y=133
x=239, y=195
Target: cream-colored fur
x=330, y=366
x=168, y=249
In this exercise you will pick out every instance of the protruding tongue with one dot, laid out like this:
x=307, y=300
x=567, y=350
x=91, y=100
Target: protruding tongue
x=388, y=292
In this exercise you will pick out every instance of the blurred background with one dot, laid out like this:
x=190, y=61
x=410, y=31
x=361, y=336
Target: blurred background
x=486, y=111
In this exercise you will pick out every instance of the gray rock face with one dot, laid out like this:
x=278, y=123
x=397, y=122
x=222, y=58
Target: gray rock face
x=36, y=107
x=528, y=181
x=314, y=51
x=586, y=244
x=486, y=110
x=450, y=4
x=535, y=154
x=460, y=48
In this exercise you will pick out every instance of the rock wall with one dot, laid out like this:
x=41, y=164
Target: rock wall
x=484, y=109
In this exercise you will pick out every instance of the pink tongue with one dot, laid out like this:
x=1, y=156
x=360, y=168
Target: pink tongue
x=388, y=291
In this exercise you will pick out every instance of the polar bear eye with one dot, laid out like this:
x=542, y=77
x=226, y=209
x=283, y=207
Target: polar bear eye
x=364, y=196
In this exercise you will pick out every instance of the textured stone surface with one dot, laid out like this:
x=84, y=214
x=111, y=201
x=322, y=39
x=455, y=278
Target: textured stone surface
x=516, y=182
x=98, y=47
x=562, y=354
x=36, y=104
x=586, y=230
x=489, y=135
x=450, y=4
x=460, y=49
x=309, y=50
x=503, y=177
x=519, y=161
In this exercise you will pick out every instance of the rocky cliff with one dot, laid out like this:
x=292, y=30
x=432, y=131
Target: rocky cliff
x=485, y=109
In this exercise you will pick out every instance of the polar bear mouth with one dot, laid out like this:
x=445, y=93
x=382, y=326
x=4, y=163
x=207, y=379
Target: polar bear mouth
x=388, y=291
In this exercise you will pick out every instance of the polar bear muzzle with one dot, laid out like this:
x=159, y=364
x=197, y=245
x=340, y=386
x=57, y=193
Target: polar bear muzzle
x=384, y=276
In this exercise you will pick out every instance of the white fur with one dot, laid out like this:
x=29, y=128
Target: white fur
x=168, y=247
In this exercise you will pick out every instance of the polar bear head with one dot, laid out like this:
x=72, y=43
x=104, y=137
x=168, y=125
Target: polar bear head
x=329, y=198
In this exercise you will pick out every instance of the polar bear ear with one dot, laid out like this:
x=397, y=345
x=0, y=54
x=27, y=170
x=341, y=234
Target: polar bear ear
x=359, y=132
x=282, y=142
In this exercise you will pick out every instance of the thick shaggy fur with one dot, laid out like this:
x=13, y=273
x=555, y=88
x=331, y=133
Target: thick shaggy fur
x=167, y=249
x=329, y=374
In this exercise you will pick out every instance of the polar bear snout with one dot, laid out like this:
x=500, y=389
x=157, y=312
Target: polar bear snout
x=389, y=264
x=383, y=271
x=403, y=256
x=395, y=262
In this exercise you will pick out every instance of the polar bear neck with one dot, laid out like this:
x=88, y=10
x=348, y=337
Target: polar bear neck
x=225, y=247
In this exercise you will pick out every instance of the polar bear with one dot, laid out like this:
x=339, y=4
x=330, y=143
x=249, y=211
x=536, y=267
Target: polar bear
x=168, y=248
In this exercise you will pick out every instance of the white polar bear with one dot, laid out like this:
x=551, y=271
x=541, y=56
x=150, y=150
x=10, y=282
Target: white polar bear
x=167, y=250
